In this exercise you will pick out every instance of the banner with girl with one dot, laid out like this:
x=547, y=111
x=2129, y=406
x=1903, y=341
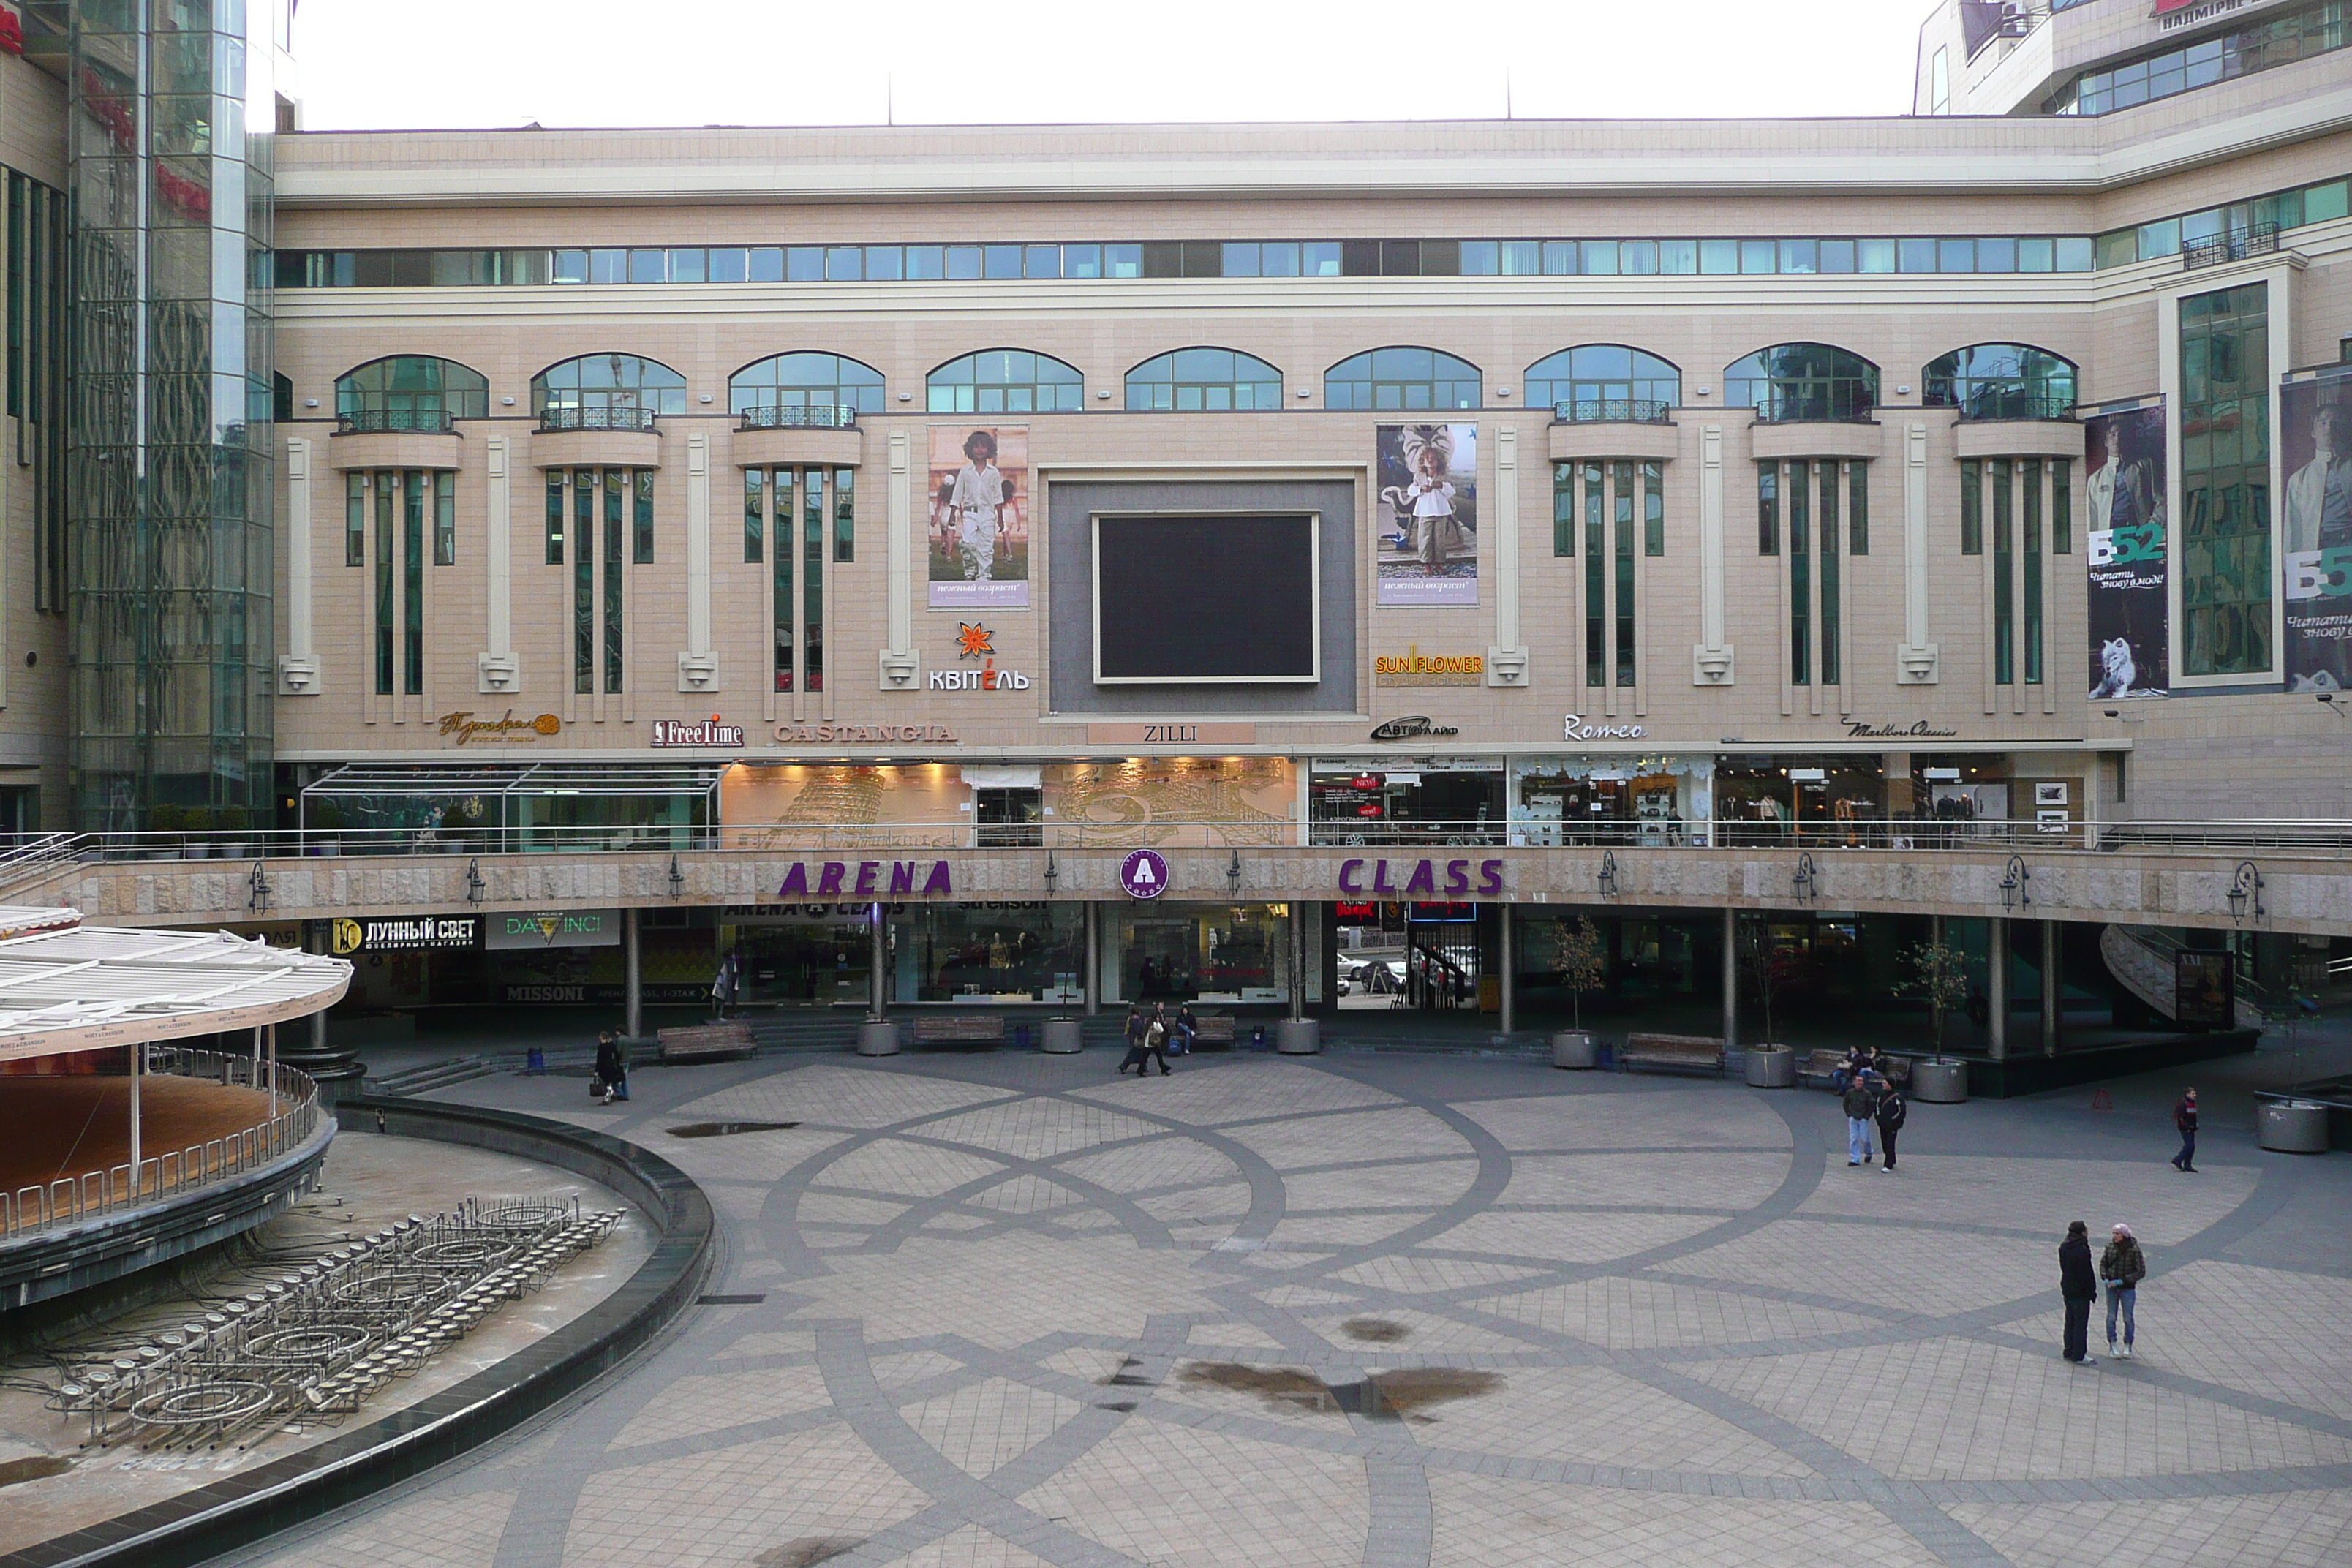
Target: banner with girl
x=1427, y=518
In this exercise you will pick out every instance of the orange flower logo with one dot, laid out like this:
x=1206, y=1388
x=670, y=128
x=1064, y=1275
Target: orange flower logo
x=974, y=641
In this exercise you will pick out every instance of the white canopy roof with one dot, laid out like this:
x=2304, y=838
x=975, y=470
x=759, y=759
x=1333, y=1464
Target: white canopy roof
x=65, y=986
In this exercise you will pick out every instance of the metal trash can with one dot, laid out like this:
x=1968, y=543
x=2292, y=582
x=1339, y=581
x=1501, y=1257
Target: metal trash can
x=878, y=1039
x=1574, y=1049
x=1771, y=1066
x=2292, y=1126
x=1940, y=1082
x=1298, y=1037
x=1063, y=1037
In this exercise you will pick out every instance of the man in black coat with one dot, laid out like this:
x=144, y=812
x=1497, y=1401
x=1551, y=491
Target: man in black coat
x=2078, y=1286
x=1893, y=1109
x=2184, y=1120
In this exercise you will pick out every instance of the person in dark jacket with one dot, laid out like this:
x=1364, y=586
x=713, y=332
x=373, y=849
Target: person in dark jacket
x=612, y=1067
x=1136, y=1026
x=2122, y=1266
x=1892, y=1110
x=1861, y=1102
x=2078, y=1288
x=2184, y=1117
x=1155, y=1042
x=1187, y=1027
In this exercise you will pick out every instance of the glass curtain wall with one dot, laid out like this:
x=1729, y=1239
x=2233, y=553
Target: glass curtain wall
x=1821, y=509
x=612, y=526
x=789, y=517
x=171, y=111
x=2225, y=483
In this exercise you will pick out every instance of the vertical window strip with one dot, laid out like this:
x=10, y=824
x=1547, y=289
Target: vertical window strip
x=1653, y=508
x=1596, y=587
x=2029, y=542
x=1857, y=512
x=2222, y=554
x=412, y=562
x=1563, y=510
x=583, y=581
x=615, y=482
x=354, y=518
x=1972, y=507
x=1801, y=578
x=844, y=515
x=1621, y=479
x=555, y=517
x=642, y=517
x=1826, y=473
x=781, y=530
x=755, y=504
x=812, y=585
x=2004, y=602
x=385, y=551
x=2061, y=507
x=445, y=518
x=1767, y=509
x=17, y=247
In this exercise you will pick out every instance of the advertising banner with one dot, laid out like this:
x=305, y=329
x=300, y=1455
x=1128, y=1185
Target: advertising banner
x=1428, y=519
x=2315, y=440
x=2125, y=469
x=554, y=928
x=980, y=517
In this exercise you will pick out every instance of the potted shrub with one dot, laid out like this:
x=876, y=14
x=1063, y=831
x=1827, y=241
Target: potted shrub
x=326, y=821
x=165, y=823
x=235, y=820
x=198, y=821
x=1582, y=964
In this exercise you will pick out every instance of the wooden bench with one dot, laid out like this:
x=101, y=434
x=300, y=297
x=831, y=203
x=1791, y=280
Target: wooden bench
x=1215, y=1029
x=1702, y=1053
x=1821, y=1068
x=707, y=1043
x=960, y=1029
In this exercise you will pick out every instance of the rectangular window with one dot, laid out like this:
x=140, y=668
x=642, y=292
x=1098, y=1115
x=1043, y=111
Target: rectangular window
x=584, y=580
x=1801, y=580
x=844, y=518
x=2061, y=507
x=781, y=529
x=17, y=247
x=641, y=518
x=555, y=517
x=1622, y=481
x=412, y=565
x=1767, y=509
x=1564, y=508
x=2227, y=575
x=1653, y=508
x=755, y=502
x=386, y=552
x=1971, y=507
x=1596, y=583
x=2004, y=609
x=355, y=519
x=2030, y=529
x=813, y=579
x=614, y=479
x=1827, y=476
x=445, y=518
x=1857, y=512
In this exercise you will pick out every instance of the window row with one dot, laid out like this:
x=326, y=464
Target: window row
x=1588, y=383
x=2256, y=47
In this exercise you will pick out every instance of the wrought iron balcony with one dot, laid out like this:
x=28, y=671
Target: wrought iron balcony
x=612, y=419
x=2231, y=244
x=807, y=416
x=2014, y=406
x=1612, y=411
x=380, y=421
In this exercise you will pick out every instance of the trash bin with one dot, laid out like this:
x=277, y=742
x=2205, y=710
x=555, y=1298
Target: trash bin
x=2292, y=1126
x=1063, y=1037
x=1258, y=1038
x=1940, y=1082
x=1574, y=1048
x=1021, y=1037
x=534, y=1061
x=1771, y=1066
x=878, y=1039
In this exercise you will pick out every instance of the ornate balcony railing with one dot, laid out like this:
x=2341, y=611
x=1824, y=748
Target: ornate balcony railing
x=382, y=421
x=809, y=416
x=1612, y=411
x=2016, y=405
x=2232, y=245
x=612, y=418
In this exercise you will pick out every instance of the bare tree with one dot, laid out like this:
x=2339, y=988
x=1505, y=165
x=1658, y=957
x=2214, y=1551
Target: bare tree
x=1581, y=964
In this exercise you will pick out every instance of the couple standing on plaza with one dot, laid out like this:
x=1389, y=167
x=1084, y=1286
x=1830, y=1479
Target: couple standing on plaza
x=2122, y=1266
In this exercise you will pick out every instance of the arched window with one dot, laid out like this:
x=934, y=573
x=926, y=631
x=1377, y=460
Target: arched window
x=805, y=389
x=1402, y=378
x=1006, y=381
x=2001, y=381
x=1191, y=380
x=606, y=392
x=1604, y=381
x=410, y=392
x=1801, y=381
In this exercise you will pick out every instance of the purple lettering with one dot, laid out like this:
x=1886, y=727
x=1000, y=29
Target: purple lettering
x=902, y=877
x=1352, y=876
x=1458, y=877
x=868, y=872
x=1380, y=883
x=1422, y=879
x=795, y=881
x=938, y=882
x=1490, y=875
x=828, y=882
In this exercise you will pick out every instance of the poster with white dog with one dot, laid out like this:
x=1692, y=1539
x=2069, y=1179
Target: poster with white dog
x=1428, y=514
x=2124, y=480
x=2316, y=436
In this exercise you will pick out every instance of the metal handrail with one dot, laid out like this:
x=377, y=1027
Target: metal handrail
x=2231, y=244
x=70, y=1200
x=1612, y=411
x=382, y=421
x=810, y=417
x=615, y=418
x=2018, y=406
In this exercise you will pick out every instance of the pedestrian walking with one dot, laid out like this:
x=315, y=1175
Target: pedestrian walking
x=1892, y=1110
x=612, y=1081
x=2184, y=1117
x=2122, y=1266
x=1136, y=1026
x=1155, y=1042
x=2078, y=1288
x=1861, y=1105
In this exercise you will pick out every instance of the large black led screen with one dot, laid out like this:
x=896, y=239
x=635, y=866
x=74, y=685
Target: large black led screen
x=1222, y=596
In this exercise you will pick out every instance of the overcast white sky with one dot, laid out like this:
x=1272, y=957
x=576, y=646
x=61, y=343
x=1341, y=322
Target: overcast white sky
x=371, y=64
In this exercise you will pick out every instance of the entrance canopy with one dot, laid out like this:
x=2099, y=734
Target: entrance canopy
x=65, y=986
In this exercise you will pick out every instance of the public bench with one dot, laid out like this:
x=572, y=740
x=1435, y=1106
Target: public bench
x=960, y=1029
x=706, y=1042
x=1701, y=1053
x=1820, y=1068
x=1214, y=1029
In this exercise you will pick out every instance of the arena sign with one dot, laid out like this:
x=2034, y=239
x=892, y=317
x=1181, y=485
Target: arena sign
x=864, y=879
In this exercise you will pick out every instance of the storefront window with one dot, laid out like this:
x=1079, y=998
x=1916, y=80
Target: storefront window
x=988, y=952
x=1963, y=794
x=1201, y=952
x=1830, y=800
x=1558, y=801
x=1447, y=803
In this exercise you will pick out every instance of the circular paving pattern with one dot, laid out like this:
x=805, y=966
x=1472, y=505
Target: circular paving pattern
x=1424, y=1310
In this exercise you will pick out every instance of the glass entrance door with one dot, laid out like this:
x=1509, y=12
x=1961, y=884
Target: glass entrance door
x=818, y=964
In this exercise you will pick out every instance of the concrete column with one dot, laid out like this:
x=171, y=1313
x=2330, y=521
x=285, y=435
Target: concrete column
x=633, y=1018
x=1094, y=960
x=698, y=663
x=496, y=670
x=1507, y=660
x=138, y=1072
x=1915, y=657
x=2052, y=990
x=1731, y=979
x=1711, y=659
x=1508, y=1013
x=880, y=931
x=297, y=665
x=1298, y=960
x=1997, y=987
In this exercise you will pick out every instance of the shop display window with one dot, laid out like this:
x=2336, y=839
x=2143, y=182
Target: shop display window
x=1647, y=801
x=1430, y=803
x=987, y=954
x=1826, y=800
x=1200, y=953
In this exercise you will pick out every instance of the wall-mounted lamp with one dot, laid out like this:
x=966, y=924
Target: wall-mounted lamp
x=1053, y=873
x=706, y=398
x=1807, y=881
x=2014, y=893
x=1234, y=876
x=507, y=401
x=309, y=403
x=258, y=899
x=676, y=879
x=1608, y=877
x=906, y=397
x=474, y=883
x=2246, y=886
x=1103, y=395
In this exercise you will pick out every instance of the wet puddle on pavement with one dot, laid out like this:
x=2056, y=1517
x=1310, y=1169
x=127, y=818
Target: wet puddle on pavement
x=1399, y=1395
x=728, y=1130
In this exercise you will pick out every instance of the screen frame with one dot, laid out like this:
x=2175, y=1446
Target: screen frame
x=1314, y=517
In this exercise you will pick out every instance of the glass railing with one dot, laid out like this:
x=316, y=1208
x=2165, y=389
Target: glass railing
x=2012, y=405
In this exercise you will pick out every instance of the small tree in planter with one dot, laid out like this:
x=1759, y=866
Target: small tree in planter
x=1767, y=974
x=1582, y=964
x=198, y=822
x=327, y=818
x=1937, y=974
x=167, y=820
x=234, y=822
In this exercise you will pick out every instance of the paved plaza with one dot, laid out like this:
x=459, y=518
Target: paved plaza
x=1405, y=1311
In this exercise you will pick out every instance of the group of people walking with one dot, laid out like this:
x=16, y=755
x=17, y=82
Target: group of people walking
x=1155, y=1036
x=1872, y=1104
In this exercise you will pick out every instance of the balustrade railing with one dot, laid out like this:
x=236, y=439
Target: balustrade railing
x=614, y=419
x=812, y=416
x=1612, y=411
x=380, y=421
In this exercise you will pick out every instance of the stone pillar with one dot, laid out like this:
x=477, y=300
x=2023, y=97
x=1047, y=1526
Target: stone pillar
x=1915, y=657
x=337, y=1073
x=1094, y=958
x=495, y=667
x=1731, y=979
x=1298, y=960
x=879, y=963
x=2053, y=988
x=138, y=1072
x=1711, y=657
x=1504, y=989
x=633, y=1017
x=1997, y=987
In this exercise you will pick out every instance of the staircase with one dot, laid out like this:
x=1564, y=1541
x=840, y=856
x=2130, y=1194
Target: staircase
x=31, y=865
x=2140, y=958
